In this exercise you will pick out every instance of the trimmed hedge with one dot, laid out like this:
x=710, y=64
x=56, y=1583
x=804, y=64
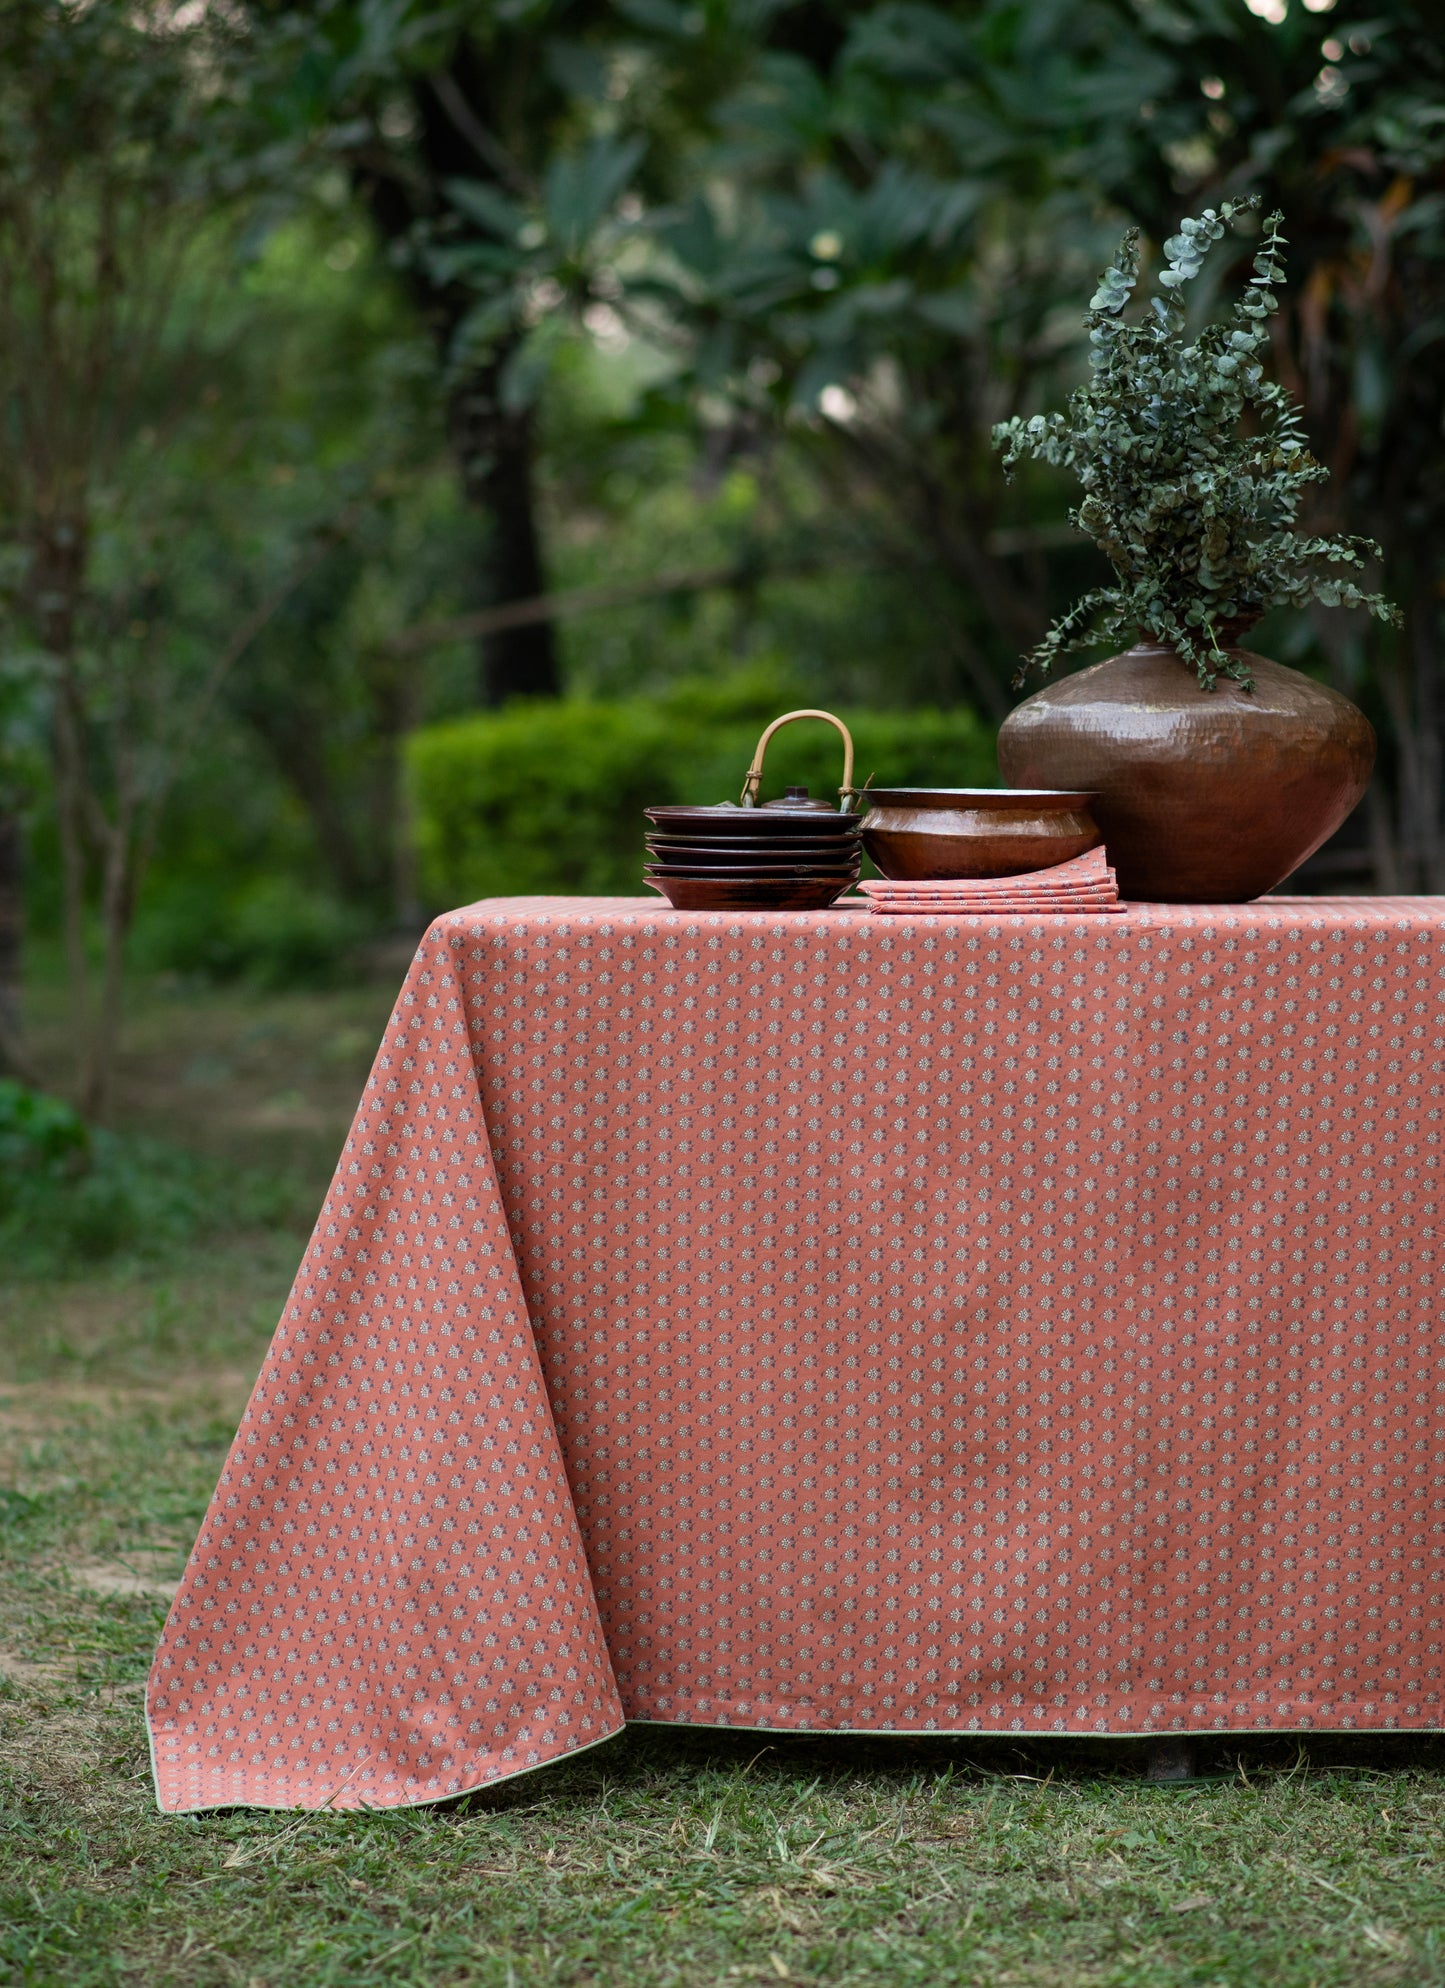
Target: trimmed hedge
x=548, y=796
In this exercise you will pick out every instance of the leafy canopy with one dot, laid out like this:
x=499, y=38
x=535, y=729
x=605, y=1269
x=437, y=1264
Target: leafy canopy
x=1195, y=511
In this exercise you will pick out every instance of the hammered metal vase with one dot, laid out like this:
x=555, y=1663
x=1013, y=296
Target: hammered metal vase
x=1202, y=796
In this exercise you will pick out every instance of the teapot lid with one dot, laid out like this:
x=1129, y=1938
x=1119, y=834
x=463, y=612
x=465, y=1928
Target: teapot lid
x=796, y=798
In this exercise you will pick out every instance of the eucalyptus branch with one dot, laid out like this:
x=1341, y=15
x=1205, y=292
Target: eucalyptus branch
x=1198, y=519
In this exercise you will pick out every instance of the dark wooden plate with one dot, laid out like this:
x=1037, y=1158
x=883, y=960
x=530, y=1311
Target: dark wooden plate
x=755, y=894
x=692, y=856
x=737, y=873
x=707, y=824
x=752, y=845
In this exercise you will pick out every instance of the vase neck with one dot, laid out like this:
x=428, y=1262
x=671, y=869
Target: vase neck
x=1229, y=635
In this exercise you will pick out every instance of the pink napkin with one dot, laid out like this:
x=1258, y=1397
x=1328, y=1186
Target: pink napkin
x=1086, y=883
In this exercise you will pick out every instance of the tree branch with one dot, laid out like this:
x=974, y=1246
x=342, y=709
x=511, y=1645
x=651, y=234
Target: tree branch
x=241, y=640
x=492, y=154
x=579, y=600
x=684, y=580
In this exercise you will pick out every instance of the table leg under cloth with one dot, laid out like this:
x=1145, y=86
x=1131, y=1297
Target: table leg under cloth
x=820, y=1323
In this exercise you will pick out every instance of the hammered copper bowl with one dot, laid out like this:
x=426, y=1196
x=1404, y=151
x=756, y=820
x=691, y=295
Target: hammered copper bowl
x=913, y=833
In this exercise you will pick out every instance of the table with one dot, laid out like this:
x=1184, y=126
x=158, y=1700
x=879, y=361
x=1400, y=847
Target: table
x=824, y=1322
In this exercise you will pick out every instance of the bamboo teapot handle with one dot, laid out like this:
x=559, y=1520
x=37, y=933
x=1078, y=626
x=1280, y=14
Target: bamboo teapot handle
x=754, y=778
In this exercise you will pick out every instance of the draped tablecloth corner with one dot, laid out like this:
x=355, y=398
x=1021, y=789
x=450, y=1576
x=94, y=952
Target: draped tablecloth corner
x=997, y=1324
x=389, y=1600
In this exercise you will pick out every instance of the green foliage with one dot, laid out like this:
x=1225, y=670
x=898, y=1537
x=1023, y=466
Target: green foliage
x=534, y=798
x=38, y=1134
x=1197, y=518
x=814, y=251
x=549, y=796
x=271, y=932
x=72, y=1194
x=81, y=83
x=82, y=1196
x=504, y=249
x=125, y=1201
x=136, y=159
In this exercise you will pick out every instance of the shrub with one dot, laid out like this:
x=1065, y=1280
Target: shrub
x=273, y=932
x=544, y=797
x=124, y=1202
x=133, y=1199
x=286, y=935
x=69, y=1194
x=38, y=1134
x=72, y=1195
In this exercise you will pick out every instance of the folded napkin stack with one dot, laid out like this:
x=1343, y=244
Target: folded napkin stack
x=1085, y=884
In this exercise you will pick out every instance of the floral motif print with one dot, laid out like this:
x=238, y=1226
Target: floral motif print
x=1022, y=1323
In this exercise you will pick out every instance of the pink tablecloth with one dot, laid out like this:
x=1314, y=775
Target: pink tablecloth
x=1022, y=1324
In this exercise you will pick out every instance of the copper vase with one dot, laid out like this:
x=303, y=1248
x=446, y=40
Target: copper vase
x=1203, y=796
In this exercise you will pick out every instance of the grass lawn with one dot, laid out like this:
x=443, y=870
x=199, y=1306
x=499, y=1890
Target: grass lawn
x=660, y=1858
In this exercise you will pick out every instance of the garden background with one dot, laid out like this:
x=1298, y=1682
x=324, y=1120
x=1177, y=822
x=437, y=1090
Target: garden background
x=431, y=432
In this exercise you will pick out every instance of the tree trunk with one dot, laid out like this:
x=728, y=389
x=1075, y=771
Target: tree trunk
x=496, y=450
x=11, y=932
x=58, y=568
x=494, y=446
x=294, y=735
x=117, y=903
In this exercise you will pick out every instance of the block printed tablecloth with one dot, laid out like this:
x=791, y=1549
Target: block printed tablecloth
x=1014, y=1324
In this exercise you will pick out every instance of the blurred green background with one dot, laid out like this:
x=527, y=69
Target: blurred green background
x=433, y=431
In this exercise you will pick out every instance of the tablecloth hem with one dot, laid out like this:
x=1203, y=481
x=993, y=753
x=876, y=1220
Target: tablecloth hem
x=372, y=1808
x=1045, y=1732
x=938, y=1732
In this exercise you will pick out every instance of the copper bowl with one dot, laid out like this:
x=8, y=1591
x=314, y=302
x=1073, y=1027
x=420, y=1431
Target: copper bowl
x=917, y=832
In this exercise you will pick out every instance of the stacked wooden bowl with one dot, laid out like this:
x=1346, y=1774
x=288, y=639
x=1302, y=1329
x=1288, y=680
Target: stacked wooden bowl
x=795, y=854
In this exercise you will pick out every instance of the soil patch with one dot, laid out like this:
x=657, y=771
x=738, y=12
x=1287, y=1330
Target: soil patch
x=147, y=1573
